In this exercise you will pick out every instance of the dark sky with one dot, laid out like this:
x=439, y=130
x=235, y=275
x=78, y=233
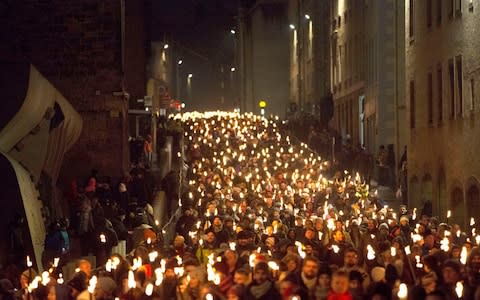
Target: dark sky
x=201, y=31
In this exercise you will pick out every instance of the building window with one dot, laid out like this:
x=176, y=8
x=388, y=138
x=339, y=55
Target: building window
x=340, y=63
x=451, y=80
x=351, y=118
x=472, y=89
x=294, y=46
x=411, y=19
x=440, y=93
x=430, y=97
x=412, y=104
x=429, y=13
x=310, y=39
x=458, y=62
x=450, y=8
x=458, y=7
x=439, y=12
x=339, y=121
x=346, y=62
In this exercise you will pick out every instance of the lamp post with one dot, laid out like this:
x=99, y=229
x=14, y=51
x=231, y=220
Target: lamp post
x=233, y=85
x=179, y=63
x=233, y=69
x=189, y=85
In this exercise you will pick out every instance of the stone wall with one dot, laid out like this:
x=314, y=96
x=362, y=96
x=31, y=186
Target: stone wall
x=263, y=73
x=136, y=33
x=443, y=163
x=348, y=32
x=77, y=46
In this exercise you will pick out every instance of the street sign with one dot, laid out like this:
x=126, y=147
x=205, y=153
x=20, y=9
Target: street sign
x=147, y=100
x=165, y=100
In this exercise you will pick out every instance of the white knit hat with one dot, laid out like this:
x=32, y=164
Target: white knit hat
x=378, y=274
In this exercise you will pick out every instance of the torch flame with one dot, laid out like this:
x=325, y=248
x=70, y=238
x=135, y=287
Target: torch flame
x=459, y=289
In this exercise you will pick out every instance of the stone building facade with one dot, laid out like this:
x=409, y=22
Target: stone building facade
x=348, y=64
x=441, y=93
x=310, y=87
x=367, y=63
x=262, y=56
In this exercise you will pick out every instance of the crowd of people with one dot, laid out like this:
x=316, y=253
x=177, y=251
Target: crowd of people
x=264, y=217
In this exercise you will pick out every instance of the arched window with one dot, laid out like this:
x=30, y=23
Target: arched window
x=441, y=205
x=427, y=188
x=456, y=206
x=473, y=201
x=414, y=193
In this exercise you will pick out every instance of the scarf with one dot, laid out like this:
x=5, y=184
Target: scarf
x=261, y=289
x=309, y=283
x=226, y=284
x=217, y=229
x=333, y=296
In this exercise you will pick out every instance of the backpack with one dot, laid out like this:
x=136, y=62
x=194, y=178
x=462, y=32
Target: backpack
x=65, y=241
x=53, y=241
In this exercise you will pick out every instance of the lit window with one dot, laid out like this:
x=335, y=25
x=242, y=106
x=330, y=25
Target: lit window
x=411, y=19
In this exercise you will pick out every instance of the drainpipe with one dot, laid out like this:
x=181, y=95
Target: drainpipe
x=122, y=36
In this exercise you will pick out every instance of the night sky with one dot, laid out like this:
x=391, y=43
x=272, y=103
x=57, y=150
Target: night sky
x=201, y=31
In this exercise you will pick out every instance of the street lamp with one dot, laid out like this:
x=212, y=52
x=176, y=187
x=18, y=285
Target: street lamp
x=292, y=27
x=232, y=31
x=179, y=63
x=307, y=17
x=189, y=86
x=232, y=81
x=165, y=46
x=262, y=104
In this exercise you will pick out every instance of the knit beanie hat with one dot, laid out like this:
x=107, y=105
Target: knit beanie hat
x=107, y=284
x=450, y=263
x=378, y=274
x=262, y=266
x=404, y=218
x=221, y=267
x=79, y=281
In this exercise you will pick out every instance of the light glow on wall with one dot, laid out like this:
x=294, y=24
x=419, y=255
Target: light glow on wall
x=310, y=39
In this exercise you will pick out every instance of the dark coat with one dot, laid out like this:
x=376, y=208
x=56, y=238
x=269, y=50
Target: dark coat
x=271, y=294
x=119, y=228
